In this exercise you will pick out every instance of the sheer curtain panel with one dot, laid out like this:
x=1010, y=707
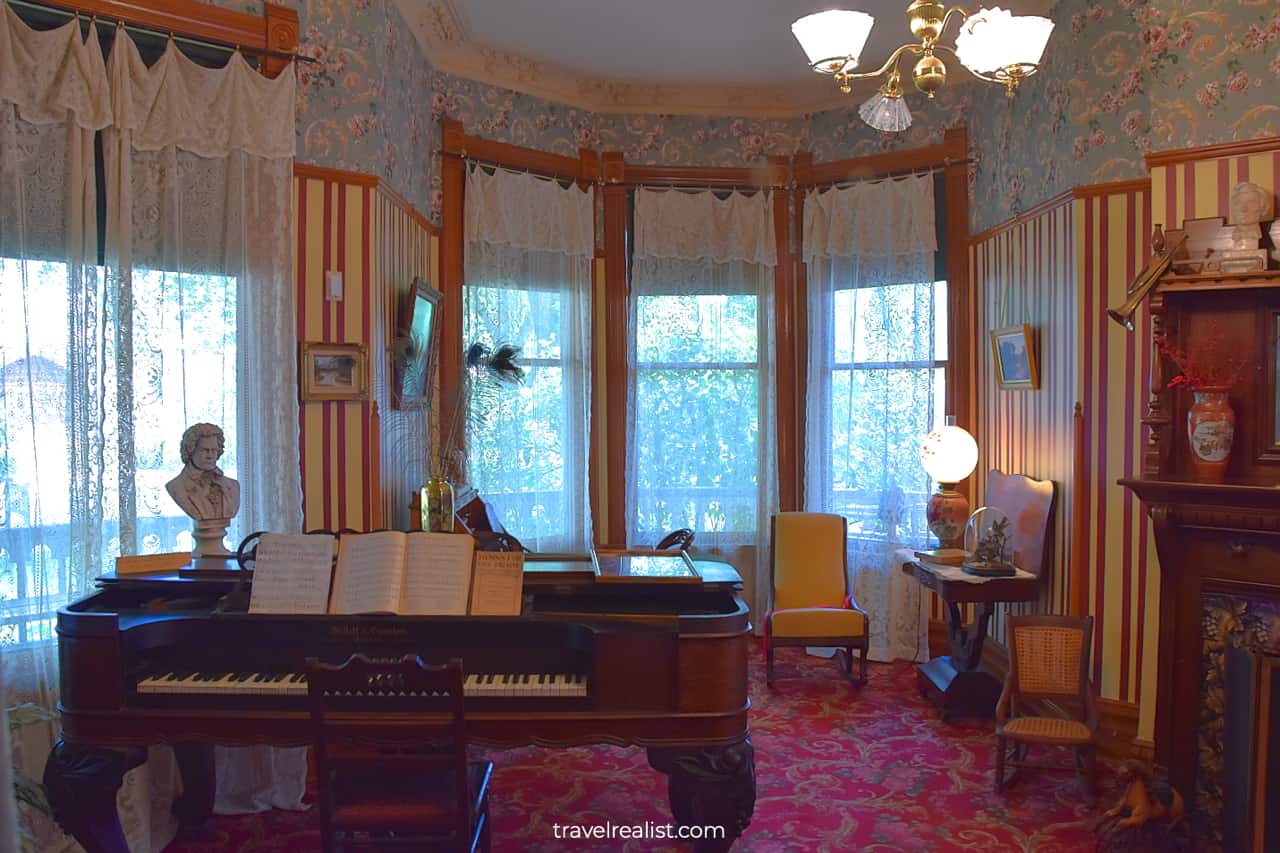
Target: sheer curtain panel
x=702, y=451
x=877, y=350
x=199, y=222
x=59, y=513
x=529, y=242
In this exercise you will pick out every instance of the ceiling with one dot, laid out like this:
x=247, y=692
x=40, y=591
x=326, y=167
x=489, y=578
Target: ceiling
x=701, y=57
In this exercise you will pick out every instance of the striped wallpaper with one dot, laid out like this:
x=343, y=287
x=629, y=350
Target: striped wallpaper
x=360, y=460
x=1026, y=273
x=1059, y=269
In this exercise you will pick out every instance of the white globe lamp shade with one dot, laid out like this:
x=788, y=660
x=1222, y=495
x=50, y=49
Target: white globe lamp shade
x=949, y=454
x=992, y=39
x=833, y=40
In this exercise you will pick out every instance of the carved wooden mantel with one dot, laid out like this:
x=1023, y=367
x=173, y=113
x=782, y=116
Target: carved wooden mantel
x=1210, y=539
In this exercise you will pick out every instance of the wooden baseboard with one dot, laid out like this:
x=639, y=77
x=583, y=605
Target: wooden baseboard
x=1117, y=721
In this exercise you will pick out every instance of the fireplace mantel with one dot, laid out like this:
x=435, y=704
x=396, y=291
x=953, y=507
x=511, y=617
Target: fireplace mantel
x=1211, y=538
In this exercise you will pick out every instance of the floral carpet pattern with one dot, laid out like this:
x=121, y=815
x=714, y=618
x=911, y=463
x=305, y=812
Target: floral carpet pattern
x=838, y=768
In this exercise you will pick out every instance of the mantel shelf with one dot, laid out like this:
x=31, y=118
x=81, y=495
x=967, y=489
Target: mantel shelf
x=1250, y=495
x=1220, y=281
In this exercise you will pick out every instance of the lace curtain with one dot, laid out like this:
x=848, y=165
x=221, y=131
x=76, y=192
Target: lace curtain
x=702, y=450
x=877, y=326
x=527, y=282
x=103, y=366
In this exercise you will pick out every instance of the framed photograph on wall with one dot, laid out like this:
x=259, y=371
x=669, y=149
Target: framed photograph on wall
x=413, y=354
x=333, y=371
x=1013, y=348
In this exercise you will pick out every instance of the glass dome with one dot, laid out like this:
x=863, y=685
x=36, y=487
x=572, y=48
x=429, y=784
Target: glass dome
x=988, y=538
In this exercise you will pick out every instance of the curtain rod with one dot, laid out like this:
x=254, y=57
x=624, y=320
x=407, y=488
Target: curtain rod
x=229, y=47
x=886, y=176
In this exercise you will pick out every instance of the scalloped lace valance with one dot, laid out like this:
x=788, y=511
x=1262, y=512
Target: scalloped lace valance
x=72, y=87
x=871, y=220
x=210, y=112
x=700, y=226
x=528, y=212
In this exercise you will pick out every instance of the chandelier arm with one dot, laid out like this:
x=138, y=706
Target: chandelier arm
x=1024, y=70
x=888, y=63
x=946, y=19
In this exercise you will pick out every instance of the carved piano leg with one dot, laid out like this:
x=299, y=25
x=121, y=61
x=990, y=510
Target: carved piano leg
x=199, y=784
x=710, y=786
x=81, y=783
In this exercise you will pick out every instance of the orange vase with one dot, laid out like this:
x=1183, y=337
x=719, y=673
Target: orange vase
x=1211, y=427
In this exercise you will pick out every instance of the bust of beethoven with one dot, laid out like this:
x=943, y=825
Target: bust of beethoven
x=1250, y=204
x=201, y=489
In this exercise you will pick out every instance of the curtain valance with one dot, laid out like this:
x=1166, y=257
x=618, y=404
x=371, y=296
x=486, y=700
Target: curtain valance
x=871, y=220
x=701, y=226
x=52, y=76
x=210, y=112
x=525, y=211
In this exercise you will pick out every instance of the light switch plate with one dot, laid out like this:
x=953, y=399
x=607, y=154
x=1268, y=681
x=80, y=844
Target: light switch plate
x=333, y=285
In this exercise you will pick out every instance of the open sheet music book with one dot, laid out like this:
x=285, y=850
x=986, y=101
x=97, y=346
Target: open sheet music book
x=417, y=574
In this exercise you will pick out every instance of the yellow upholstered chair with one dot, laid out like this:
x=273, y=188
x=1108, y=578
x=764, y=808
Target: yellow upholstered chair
x=1048, y=663
x=809, y=580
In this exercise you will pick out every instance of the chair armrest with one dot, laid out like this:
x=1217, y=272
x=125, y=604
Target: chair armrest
x=850, y=604
x=1005, y=702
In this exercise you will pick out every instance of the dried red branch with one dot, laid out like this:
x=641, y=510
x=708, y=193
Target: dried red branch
x=1206, y=364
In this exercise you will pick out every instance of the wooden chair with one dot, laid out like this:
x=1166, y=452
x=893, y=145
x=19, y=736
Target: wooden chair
x=809, y=581
x=391, y=756
x=1048, y=663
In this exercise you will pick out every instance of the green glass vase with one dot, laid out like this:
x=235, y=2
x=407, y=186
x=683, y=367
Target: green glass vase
x=436, y=499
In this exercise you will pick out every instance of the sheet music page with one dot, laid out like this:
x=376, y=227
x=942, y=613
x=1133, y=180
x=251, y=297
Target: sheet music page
x=497, y=583
x=437, y=575
x=368, y=574
x=291, y=573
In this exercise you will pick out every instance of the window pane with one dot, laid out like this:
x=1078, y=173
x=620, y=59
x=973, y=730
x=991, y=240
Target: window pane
x=696, y=430
x=516, y=434
x=895, y=323
x=706, y=329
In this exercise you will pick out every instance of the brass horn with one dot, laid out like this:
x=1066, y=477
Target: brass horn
x=1144, y=284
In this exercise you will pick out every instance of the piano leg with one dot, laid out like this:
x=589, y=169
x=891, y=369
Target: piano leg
x=710, y=786
x=81, y=783
x=199, y=785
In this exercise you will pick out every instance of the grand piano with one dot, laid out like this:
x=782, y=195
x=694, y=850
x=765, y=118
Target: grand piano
x=176, y=659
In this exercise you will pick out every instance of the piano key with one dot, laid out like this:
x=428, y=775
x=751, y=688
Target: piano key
x=476, y=685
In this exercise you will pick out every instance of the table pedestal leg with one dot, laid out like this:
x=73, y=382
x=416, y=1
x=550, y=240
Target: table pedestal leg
x=957, y=683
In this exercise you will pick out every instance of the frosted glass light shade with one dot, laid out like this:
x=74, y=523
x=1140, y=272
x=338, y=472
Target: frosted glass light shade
x=833, y=34
x=949, y=454
x=992, y=39
x=886, y=113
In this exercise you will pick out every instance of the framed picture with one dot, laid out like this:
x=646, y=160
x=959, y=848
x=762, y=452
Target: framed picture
x=333, y=371
x=1015, y=356
x=413, y=354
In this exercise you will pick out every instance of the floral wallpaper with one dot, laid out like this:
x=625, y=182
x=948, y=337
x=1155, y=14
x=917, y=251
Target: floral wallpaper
x=1122, y=79
x=1227, y=620
x=365, y=105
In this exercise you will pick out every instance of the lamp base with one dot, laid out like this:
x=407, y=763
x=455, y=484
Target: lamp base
x=947, y=513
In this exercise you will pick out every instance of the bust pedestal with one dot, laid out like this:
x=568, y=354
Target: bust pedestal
x=208, y=535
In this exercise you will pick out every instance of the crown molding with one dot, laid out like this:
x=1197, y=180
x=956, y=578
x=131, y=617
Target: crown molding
x=442, y=32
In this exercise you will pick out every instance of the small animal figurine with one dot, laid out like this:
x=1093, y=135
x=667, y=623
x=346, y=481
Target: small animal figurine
x=1140, y=801
x=1135, y=822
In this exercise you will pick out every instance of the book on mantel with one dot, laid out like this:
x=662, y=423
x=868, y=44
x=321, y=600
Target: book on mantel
x=413, y=574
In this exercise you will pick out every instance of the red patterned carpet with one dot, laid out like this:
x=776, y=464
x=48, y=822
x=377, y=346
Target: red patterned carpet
x=838, y=768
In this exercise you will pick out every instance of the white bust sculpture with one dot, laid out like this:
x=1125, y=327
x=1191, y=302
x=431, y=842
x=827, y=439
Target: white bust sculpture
x=202, y=491
x=1250, y=204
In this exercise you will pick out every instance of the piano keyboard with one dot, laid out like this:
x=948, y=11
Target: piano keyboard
x=489, y=685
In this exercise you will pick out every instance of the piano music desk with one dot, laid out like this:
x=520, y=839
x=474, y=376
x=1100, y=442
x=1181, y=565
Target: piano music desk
x=155, y=660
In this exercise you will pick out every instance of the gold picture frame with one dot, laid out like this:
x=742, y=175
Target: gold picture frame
x=330, y=371
x=1014, y=353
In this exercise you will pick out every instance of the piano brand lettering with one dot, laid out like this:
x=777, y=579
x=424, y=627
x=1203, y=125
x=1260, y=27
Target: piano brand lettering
x=647, y=830
x=356, y=631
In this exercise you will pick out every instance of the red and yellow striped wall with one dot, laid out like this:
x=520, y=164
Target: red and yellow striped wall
x=360, y=460
x=1059, y=268
x=1025, y=272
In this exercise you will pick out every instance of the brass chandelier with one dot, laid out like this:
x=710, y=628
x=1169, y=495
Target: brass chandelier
x=993, y=44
